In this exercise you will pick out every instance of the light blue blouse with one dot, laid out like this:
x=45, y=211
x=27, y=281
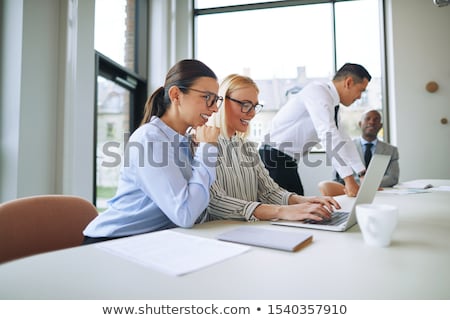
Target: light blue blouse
x=160, y=185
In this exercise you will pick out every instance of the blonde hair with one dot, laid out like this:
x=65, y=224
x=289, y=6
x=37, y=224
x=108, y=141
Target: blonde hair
x=230, y=84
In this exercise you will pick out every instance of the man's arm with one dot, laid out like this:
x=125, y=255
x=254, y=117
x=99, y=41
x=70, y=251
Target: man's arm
x=351, y=186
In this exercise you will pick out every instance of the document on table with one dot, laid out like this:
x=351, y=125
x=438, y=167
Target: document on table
x=417, y=186
x=441, y=188
x=172, y=252
x=405, y=191
x=414, y=184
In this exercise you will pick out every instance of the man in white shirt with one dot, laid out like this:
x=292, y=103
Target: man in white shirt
x=310, y=117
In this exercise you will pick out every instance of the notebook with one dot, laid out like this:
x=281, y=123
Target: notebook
x=346, y=217
x=267, y=238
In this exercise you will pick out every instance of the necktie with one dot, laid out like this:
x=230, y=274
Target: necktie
x=336, y=111
x=368, y=153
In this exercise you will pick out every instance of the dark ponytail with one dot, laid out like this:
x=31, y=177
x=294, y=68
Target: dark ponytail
x=182, y=74
x=155, y=105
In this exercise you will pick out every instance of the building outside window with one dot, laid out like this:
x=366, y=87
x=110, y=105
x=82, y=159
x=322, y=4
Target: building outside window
x=283, y=45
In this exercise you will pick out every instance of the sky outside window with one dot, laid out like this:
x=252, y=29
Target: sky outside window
x=268, y=43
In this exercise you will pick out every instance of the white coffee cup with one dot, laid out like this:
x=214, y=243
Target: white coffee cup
x=377, y=223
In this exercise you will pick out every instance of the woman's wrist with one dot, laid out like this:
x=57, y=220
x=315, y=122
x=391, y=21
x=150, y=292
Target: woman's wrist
x=267, y=212
x=295, y=198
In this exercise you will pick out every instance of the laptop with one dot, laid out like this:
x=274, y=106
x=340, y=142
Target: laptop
x=345, y=218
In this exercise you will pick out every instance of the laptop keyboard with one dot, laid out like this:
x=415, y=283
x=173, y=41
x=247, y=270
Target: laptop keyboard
x=337, y=218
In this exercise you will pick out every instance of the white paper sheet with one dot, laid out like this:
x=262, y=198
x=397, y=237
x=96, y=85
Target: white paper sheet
x=414, y=184
x=405, y=191
x=172, y=252
x=441, y=188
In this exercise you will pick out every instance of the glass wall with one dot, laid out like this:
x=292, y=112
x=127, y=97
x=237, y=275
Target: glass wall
x=283, y=45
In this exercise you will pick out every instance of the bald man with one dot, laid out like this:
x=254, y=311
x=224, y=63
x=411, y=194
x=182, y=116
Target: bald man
x=368, y=144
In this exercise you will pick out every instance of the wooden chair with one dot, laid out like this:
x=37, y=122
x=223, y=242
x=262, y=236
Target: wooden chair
x=44, y=223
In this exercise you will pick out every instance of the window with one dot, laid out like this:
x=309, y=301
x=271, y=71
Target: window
x=283, y=45
x=121, y=86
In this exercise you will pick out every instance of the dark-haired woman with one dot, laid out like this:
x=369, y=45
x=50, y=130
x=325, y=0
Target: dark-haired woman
x=163, y=182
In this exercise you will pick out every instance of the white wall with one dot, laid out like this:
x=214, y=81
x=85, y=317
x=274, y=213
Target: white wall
x=47, y=96
x=418, y=52
x=10, y=68
x=47, y=90
x=76, y=98
x=170, y=37
x=28, y=99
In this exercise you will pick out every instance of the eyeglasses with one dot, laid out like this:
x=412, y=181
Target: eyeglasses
x=247, y=106
x=210, y=98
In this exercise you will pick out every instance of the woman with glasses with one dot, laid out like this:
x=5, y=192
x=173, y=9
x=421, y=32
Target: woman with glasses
x=243, y=189
x=163, y=183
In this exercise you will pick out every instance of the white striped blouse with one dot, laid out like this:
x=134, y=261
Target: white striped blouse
x=242, y=182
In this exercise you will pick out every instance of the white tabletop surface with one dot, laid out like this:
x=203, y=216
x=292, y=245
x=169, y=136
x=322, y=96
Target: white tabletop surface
x=337, y=265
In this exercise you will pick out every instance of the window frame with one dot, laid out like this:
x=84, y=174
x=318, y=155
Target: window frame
x=289, y=3
x=135, y=81
x=137, y=86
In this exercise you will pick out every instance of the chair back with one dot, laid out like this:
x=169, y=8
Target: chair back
x=44, y=223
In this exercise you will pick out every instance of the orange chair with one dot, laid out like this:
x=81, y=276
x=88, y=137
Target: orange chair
x=44, y=223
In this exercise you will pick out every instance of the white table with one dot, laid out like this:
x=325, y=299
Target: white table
x=337, y=265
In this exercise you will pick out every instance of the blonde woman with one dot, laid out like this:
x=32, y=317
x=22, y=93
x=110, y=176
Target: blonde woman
x=243, y=189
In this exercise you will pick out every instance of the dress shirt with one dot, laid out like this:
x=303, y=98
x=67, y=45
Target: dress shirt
x=161, y=186
x=242, y=182
x=372, y=148
x=308, y=118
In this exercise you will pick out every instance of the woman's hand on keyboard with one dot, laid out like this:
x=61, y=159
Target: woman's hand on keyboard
x=329, y=202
